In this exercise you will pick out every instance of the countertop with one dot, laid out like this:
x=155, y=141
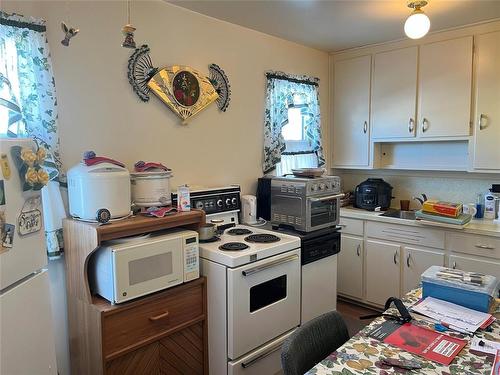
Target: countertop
x=476, y=226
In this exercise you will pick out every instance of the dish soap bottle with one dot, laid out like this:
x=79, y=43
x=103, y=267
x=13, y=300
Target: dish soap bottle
x=489, y=205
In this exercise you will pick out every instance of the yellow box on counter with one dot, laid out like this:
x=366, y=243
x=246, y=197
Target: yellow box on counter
x=442, y=208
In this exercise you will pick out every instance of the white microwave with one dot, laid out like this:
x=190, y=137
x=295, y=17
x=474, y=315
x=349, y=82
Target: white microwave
x=126, y=270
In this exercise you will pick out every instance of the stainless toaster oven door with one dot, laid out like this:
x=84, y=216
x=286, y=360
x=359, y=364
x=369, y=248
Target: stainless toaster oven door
x=289, y=210
x=323, y=212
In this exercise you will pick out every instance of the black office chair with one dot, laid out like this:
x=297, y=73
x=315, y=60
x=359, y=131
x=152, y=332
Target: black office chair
x=313, y=342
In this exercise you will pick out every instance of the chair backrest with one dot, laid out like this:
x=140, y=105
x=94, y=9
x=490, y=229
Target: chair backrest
x=312, y=342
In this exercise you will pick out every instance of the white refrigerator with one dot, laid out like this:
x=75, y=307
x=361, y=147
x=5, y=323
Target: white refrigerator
x=26, y=323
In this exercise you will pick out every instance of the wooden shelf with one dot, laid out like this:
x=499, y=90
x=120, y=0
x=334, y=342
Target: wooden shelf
x=83, y=238
x=108, y=339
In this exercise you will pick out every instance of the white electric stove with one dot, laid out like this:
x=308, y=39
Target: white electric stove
x=243, y=244
x=254, y=291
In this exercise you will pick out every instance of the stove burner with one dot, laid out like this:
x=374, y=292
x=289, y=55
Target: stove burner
x=233, y=246
x=262, y=238
x=213, y=239
x=239, y=231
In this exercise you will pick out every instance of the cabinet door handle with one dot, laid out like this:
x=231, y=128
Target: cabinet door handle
x=159, y=317
x=482, y=117
x=485, y=247
x=411, y=125
x=358, y=250
x=408, y=260
x=454, y=266
x=365, y=127
x=394, y=258
x=425, y=125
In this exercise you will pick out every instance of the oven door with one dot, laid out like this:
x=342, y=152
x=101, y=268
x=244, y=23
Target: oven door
x=145, y=268
x=322, y=212
x=263, y=301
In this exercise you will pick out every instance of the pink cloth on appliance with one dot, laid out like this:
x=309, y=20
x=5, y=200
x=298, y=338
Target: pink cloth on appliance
x=101, y=159
x=159, y=211
x=141, y=166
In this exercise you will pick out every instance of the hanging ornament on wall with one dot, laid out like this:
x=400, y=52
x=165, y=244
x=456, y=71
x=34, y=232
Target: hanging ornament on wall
x=219, y=80
x=128, y=31
x=69, y=31
x=184, y=90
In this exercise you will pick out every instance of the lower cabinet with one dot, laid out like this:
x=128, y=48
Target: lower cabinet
x=179, y=353
x=415, y=261
x=486, y=266
x=162, y=333
x=382, y=271
x=380, y=260
x=350, y=267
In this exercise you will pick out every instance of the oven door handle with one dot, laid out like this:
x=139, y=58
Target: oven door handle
x=272, y=264
x=341, y=195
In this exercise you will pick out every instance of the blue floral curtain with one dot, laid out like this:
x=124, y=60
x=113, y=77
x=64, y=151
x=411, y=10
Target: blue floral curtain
x=25, y=61
x=282, y=92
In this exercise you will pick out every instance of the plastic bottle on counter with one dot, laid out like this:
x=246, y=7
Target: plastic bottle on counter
x=489, y=206
x=479, y=206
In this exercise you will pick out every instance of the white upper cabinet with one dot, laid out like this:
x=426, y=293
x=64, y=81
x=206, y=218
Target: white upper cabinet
x=445, y=88
x=394, y=94
x=351, y=134
x=487, y=113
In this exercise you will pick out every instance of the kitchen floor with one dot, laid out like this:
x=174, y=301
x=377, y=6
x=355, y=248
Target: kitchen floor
x=351, y=313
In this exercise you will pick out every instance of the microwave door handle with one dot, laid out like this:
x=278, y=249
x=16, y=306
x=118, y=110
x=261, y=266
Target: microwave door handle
x=261, y=356
x=266, y=266
x=327, y=197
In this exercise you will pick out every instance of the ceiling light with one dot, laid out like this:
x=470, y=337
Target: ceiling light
x=417, y=24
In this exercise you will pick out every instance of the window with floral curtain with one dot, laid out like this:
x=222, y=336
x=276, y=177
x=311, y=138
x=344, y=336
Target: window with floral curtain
x=292, y=123
x=26, y=65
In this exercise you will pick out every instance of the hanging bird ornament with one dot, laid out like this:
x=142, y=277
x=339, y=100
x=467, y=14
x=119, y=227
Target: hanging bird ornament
x=184, y=90
x=69, y=32
x=128, y=31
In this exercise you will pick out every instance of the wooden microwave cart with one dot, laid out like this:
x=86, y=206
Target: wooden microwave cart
x=162, y=333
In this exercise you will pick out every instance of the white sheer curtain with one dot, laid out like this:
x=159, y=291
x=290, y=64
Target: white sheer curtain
x=295, y=161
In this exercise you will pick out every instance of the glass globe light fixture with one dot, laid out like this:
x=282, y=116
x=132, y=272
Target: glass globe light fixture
x=417, y=25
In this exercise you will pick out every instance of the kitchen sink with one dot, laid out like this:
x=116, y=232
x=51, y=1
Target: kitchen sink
x=398, y=214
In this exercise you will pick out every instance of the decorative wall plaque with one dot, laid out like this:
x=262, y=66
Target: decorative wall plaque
x=183, y=89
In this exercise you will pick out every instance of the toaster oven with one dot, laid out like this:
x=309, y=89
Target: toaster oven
x=305, y=204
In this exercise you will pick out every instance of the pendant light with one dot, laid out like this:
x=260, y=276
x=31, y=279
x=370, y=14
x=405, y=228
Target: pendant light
x=417, y=25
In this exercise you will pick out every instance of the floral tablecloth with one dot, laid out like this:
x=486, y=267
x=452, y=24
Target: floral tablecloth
x=363, y=354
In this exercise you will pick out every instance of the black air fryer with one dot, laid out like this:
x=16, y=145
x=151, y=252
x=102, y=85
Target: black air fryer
x=373, y=193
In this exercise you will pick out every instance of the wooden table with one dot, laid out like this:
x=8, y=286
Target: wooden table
x=362, y=354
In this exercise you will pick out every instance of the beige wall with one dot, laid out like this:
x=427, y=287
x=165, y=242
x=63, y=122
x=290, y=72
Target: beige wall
x=99, y=111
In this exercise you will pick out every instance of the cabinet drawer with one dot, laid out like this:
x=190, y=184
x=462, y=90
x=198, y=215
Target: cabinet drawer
x=351, y=226
x=406, y=234
x=473, y=244
x=142, y=323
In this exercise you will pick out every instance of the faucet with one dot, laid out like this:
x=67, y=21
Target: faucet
x=421, y=200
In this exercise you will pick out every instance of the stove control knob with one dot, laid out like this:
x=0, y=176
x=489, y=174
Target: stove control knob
x=228, y=201
x=219, y=202
x=199, y=205
x=322, y=187
x=233, y=201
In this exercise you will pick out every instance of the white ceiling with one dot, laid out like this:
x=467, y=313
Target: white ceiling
x=333, y=25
